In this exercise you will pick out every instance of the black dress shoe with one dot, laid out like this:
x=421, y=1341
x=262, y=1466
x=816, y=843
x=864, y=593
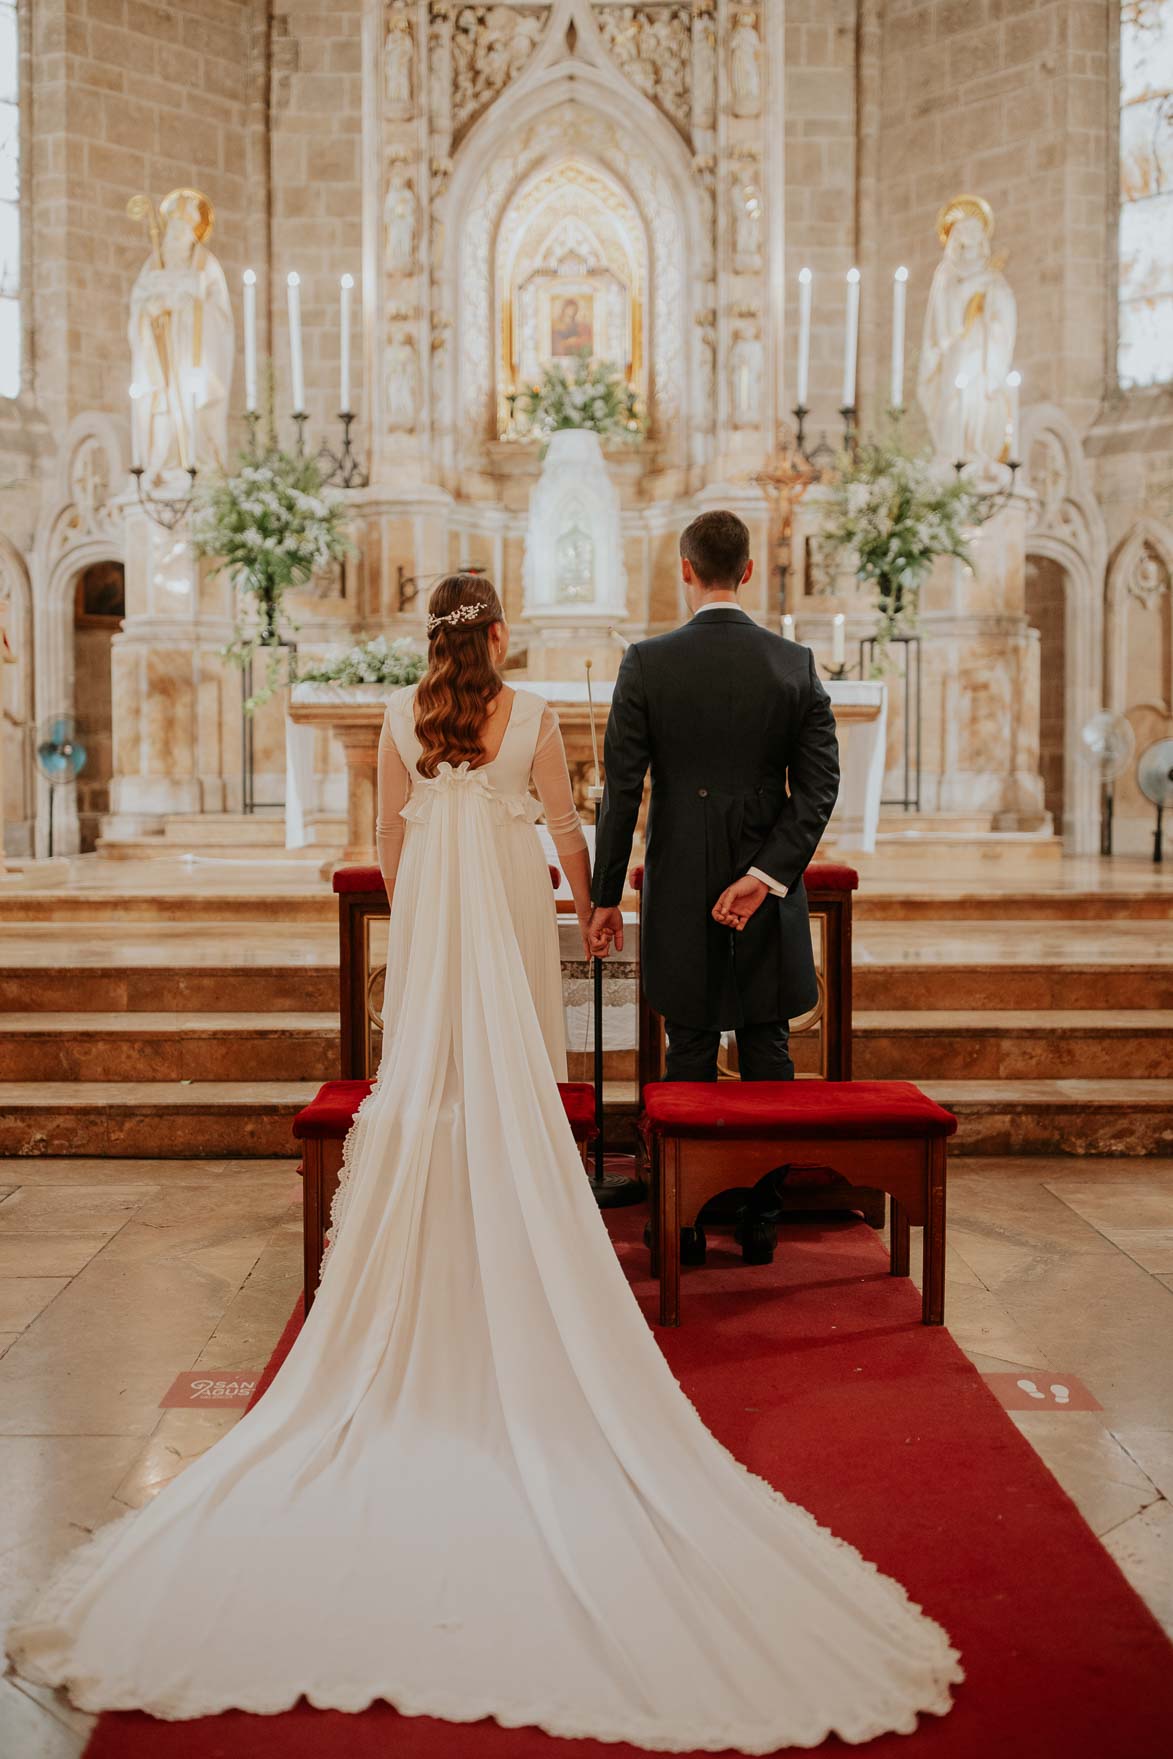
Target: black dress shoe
x=757, y=1235
x=693, y=1244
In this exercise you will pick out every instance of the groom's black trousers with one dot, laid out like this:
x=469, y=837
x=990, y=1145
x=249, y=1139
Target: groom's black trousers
x=763, y=1052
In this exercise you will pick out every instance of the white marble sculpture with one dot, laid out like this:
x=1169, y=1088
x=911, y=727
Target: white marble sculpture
x=746, y=365
x=573, y=542
x=745, y=65
x=181, y=343
x=747, y=222
x=968, y=345
x=401, y=383
x=398, y=54
x=399, y=222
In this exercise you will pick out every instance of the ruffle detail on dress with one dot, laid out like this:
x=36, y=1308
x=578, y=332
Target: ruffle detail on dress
x=427, y=790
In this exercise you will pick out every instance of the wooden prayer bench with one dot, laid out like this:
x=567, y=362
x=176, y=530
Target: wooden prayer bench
x=707, y=1136
x=322, y=1126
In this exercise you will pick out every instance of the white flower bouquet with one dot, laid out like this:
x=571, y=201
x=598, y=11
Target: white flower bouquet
x=378, y=661
x=592, y=395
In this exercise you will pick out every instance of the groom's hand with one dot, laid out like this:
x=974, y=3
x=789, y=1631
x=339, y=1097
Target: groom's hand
x=738, y=902
x=606, y=927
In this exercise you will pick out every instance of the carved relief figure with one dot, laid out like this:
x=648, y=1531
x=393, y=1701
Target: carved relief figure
x=490, y=47
x=745, y=65
x=399, y=214
x=653, y=47
x=181, y=343
x=398, y=55
x=401, y=383
x=747, y=222
x=704, y=72
x=968, y=344
x=745, y=378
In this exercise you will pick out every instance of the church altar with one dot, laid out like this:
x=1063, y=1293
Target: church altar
x=355, y=713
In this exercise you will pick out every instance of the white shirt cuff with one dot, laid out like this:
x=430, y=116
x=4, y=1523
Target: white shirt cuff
x=773, y=884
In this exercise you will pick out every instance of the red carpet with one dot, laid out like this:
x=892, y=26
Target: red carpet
x=818, y=1375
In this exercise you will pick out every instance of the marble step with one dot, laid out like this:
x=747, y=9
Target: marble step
x=170, y=1047
x=918, y=902
x=240, y=1120
x=82, y=991
x=1010, y=987
x=1007, y=1045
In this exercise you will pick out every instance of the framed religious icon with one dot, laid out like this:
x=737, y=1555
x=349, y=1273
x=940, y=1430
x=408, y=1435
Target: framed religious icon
x=572, y=324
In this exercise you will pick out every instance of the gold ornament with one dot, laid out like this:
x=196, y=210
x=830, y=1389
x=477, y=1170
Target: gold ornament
x=964, y=207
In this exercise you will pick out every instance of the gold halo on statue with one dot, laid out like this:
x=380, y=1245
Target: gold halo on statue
x=207, y=213
x=964, y=207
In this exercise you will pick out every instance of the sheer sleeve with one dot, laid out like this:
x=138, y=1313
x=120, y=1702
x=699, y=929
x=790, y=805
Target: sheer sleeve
x=393, y=787
x=552, y=781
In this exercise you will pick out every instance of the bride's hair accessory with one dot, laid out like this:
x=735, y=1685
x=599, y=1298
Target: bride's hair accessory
x=462, y=614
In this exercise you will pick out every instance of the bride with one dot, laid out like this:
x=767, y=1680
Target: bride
x=475, y=1488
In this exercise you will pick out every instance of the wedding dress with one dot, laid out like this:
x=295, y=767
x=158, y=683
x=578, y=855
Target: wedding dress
x=475, y=1488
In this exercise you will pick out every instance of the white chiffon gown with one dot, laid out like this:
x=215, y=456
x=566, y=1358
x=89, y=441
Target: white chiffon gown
x=475, y=1488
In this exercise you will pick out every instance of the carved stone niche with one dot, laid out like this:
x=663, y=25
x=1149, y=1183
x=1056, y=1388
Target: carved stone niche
x=491, y=45
x=653, y=46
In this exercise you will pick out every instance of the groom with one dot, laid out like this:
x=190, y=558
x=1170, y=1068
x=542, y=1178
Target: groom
x=738, y=731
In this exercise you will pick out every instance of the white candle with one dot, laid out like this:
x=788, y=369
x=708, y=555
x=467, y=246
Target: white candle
x=851, y=341
x=346, y=284
x=1013, y=380
x=136, y=392
x=960, y=382
x=293, y=282
x=839, y=639
x=250, y=340
x=899, y=293
x=802, y=383
x=788, y=626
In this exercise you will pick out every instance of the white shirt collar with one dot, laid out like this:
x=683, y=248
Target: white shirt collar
x=719, y=605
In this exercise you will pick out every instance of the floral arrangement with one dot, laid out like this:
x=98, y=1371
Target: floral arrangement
x=372, y=662
x=893, y=512
x=591, y=394
x=271, y=527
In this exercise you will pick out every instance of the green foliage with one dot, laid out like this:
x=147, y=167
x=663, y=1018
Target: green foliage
x=893, y=511
x=371, y=662
x=593, y=395
x=271, y=527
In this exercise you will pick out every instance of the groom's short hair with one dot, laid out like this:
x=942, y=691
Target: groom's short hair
x=717, y=545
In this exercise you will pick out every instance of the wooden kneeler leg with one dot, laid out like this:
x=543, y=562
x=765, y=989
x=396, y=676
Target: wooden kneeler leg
x=898, y=1238
x=933, y=1301
x=654, y=1205
x=669, y=1231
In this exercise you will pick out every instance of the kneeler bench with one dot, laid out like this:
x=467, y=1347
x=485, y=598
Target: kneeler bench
x=708, y=1135
x=323, y=1125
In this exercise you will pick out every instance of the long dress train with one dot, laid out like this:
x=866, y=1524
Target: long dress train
x=475, y=1488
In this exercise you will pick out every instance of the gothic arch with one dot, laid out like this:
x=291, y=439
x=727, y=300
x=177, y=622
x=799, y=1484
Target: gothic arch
x=82, y=524
x=1146, y=534
x=560, y=107
x=17, y=723
x=1066, y=526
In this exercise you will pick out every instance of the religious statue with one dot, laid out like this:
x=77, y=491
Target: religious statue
x=968, y=343
x=745, y=65
x=181, y=340
x=401, y=383
x=398, y=52
x=704, y=72
x=747, y=223
x=399, y=221
x=746, y=365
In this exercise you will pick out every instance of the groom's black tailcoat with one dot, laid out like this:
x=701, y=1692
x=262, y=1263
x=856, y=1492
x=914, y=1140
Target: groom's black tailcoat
x=738, y=730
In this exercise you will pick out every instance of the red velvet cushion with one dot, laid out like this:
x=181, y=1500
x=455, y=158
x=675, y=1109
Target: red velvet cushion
x=357, y=879
x=820, y=876
x=824, y=1109
x=331, y=1112
x=369, y=879
x=578, y=1098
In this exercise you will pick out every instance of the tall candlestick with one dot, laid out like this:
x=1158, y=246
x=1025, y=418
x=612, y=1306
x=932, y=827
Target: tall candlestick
x=135, y=437
x=839, y=639
x=851, y=340
x=296, y=371
x=802, y=383
x=899, y=294
x=346, y=285
x=1013, y=381
x=250, y=340
x=788, y=626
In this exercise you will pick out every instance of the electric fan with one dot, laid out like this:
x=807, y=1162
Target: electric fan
x=1106, y=744
x=60, y=757
x=1154, y=775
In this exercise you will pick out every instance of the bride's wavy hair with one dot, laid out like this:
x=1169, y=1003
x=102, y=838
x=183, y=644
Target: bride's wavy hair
x=461, y=680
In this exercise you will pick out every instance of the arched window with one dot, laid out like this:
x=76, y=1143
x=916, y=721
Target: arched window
x=1144, y=346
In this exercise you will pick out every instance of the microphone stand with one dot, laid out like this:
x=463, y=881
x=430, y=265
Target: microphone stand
x=610, y=1190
